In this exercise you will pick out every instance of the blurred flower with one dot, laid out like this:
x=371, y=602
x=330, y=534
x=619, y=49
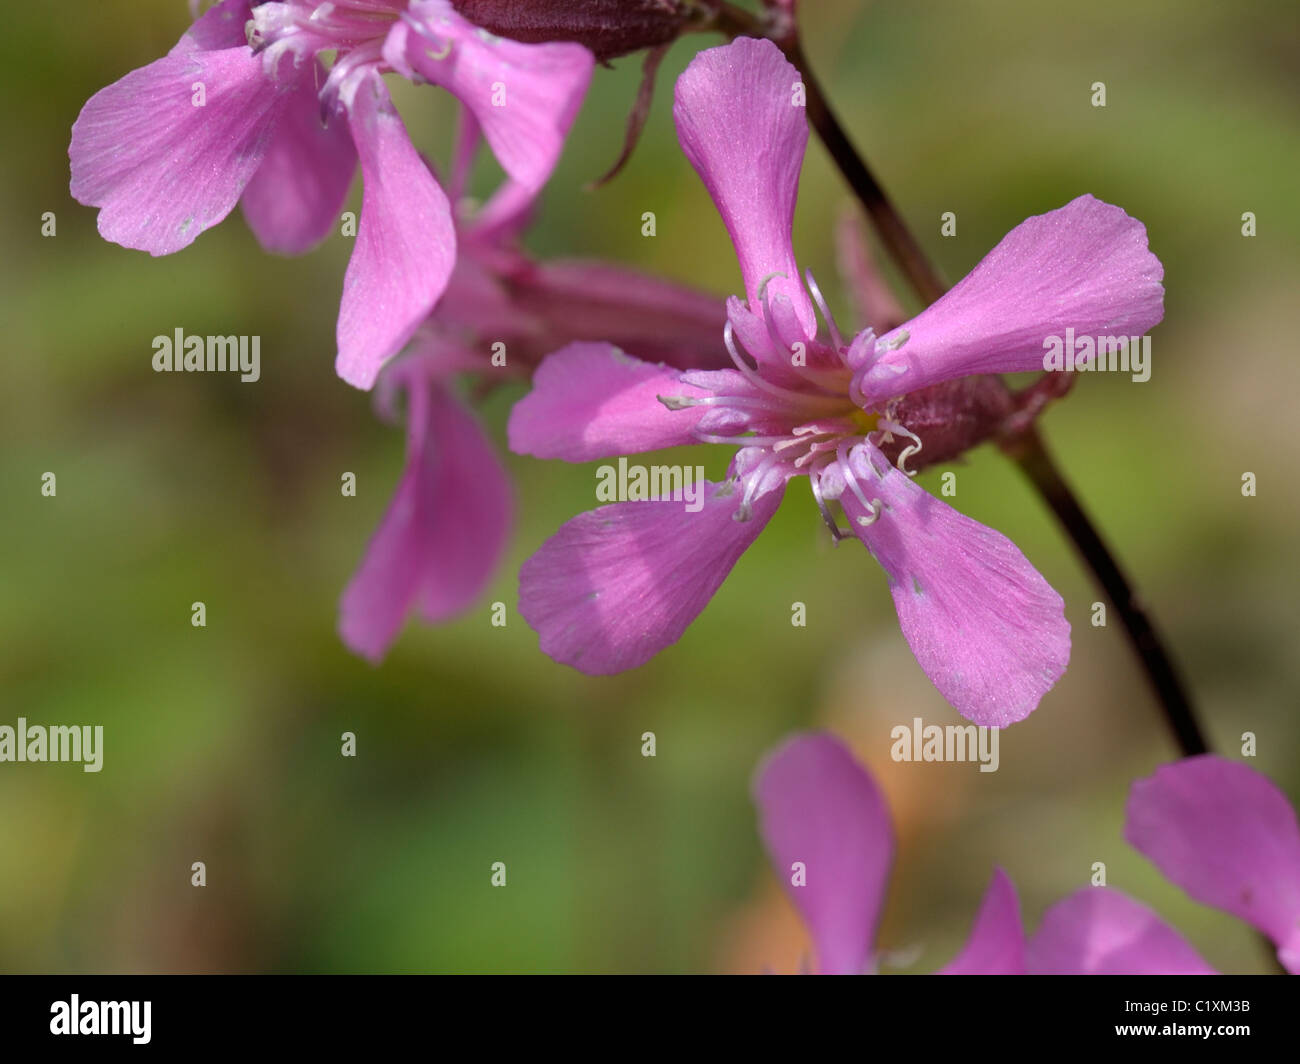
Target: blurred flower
x=243, y=109
x=827, y=830
x=1228, y=836
x=615, y=586
x=442, y=536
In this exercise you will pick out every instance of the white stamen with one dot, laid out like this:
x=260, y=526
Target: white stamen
x=836, y=338
x=750, y=374
x=907, y=452
x=837, y=533
x=872, y=506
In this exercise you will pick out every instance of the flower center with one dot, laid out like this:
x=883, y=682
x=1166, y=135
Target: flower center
x=311, y=26
x=354, y=31
x=808, y=424
x=866, y=421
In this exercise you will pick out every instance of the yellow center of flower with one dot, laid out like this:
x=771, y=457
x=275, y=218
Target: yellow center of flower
x=864, y=420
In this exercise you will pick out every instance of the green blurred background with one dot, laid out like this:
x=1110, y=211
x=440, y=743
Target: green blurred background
x=223, y=744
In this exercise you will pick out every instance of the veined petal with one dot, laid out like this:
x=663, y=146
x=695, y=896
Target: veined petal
x=592, y=401
x=1226, y=835
x=525, y=96
x=406, y=241
x=441, y=537
x=740, y=124
x=294, y=198
x=161, y=168
x=1085, y=266
x=984, y=625
x=1100, y=931
x=615, y=586
x=826, y=828
x=997, y=941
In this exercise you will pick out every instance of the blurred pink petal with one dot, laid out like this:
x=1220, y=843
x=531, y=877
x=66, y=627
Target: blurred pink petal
x=505, y=215
x=997, y=941
x=442, y=535
x=1228, y=836
x=1099, y=931
x=819, y=808
x=655, y=319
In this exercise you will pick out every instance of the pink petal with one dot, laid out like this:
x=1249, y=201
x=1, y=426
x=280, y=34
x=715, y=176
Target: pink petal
x=616, y=585
x=984, y=625
x=1085, y=266
x=293, y=201
x=768, y=338
x=1100, y=931
x=818, y=807
x=739, y=126
x=1228, y=836
x=524, y=96
x=504, y=217
x=476, y=299
x=592, y=401
x=221, y=26
x=997, y=941
x=463, y=154
x=161, y=169
x=442, y=536
x=406, y=241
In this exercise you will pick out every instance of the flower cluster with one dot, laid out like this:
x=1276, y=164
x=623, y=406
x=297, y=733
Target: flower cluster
x=275, y=105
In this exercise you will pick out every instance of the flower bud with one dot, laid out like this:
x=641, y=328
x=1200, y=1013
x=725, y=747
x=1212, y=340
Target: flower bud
x=609, y=28
x=951, y=417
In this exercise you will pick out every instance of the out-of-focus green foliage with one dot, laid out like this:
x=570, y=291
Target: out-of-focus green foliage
x=223, y=744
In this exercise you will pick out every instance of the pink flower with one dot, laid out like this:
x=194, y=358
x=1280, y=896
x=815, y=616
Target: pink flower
x=441, y=539
x=615, y=586
x=1226, y=835
x=826, y=828
x=244, y=110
